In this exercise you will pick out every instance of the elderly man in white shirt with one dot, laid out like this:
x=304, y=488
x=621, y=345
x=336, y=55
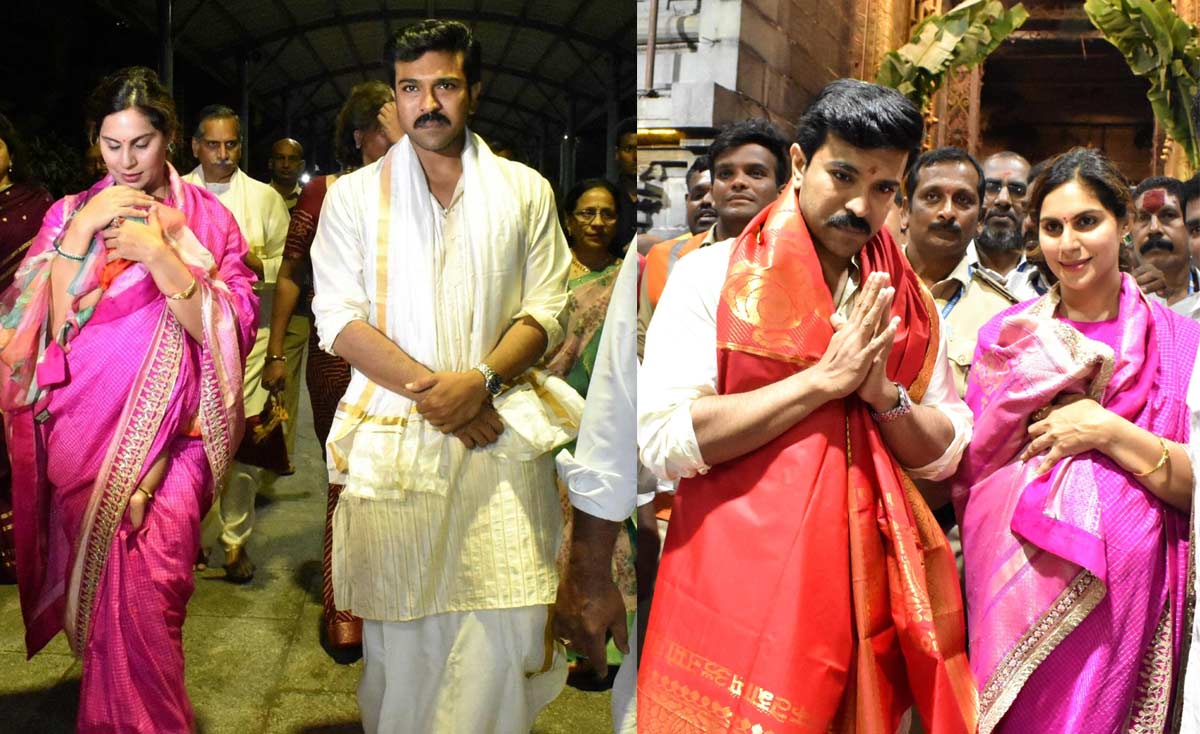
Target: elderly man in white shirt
x=764, y=359
x=263, y=219
x=601, y=480
x=440, y=274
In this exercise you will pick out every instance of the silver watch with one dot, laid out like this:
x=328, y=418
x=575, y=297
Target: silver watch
x=903, y=408
x=491, y=380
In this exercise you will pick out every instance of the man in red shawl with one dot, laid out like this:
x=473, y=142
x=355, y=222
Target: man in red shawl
x=796, y=379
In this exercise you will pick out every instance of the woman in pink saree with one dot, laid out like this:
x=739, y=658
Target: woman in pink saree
x=121, y=352
x=1075, y=492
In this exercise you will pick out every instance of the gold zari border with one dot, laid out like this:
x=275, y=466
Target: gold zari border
x=1073, y=605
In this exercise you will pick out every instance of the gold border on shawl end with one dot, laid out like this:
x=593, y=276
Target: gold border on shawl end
x=920, y=383
x=153, y=393
x=1032, y=649
x=759, y=352
x=382, y=241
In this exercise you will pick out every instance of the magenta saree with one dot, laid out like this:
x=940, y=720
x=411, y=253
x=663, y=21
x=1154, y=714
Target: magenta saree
x=1075, y=581
x=87, y=419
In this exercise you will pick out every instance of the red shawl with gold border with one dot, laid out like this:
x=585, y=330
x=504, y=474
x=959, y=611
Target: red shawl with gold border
x=805, y=586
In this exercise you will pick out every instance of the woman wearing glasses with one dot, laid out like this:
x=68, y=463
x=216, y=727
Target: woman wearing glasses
x=599, y=223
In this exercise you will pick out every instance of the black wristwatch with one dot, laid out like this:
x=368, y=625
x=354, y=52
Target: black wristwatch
x=491, y=380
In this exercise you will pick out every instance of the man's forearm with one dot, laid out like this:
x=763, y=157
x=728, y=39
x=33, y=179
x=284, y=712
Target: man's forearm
x=592, y=539
x=728, y=426
x=919, y=437
x=519, y=349
x=379, y=358
x=253, y=262
x=287, y=293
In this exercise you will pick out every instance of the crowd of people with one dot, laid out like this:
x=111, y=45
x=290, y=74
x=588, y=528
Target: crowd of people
x=914, y=431
x=154, y=329
x=928, y=425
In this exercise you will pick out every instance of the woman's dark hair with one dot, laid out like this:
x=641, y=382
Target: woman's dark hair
x=863, y=114
x=1093, y=170
x=414, y=41
x=137, y=87
x=18, y=155
x=360, y=112
x=623, y=234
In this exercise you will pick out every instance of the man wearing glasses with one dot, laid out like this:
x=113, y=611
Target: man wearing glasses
x=1000, y=245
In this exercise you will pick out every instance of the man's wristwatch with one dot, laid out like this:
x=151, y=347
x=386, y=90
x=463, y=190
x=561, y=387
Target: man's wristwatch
x=903, y=408
x=491, y=380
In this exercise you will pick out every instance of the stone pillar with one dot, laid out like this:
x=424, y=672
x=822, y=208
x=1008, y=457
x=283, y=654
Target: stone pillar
x=956, y=109
x=879, y=26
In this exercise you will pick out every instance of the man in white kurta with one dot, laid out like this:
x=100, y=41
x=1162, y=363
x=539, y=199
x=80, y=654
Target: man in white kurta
x=263, y=219
x=602, y=482
x=440, y=272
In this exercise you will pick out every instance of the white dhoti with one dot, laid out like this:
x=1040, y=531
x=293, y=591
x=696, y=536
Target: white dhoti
x=484, y=672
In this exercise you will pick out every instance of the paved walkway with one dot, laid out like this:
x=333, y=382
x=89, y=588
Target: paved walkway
x=254, y=660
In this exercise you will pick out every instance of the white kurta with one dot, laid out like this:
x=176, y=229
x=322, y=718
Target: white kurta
x=425, y=526
x=263, y=218
x=680, y=366
x=602, y=476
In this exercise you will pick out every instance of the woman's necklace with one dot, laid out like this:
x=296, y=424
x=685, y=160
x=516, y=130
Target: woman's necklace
x=578, y=268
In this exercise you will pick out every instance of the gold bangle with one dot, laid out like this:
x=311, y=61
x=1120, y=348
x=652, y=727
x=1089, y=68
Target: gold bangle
x=149, y=495
x=1163, y=460
x=184, y=294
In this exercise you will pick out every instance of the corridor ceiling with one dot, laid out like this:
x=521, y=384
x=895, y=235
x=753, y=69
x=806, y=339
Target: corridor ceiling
x=539, y=56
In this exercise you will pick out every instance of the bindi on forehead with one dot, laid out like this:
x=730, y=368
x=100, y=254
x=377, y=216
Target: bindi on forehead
x=1154, y=200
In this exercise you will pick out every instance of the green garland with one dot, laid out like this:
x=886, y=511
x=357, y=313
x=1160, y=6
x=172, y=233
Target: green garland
x=1162, y=48
x=962, y=36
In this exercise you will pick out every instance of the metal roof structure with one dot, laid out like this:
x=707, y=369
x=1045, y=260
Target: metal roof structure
x=549, y=66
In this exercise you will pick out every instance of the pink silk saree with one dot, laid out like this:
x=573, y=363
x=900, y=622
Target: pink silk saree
x=86, y=416
x=1076, y=581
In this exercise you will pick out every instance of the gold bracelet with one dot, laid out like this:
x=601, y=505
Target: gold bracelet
x=149, y=495
x=1163, y=460
x=184, y=294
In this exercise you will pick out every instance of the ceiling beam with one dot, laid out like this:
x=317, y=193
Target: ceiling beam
x=299, y=84
x=377, y=16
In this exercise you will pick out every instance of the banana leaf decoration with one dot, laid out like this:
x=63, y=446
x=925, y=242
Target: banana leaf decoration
x=962, y=36
x=1162, y=48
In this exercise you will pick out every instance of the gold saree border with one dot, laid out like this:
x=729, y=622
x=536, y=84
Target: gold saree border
x=1152, y=707
x=672, y=706
x=1071, y=607
x=149, y=402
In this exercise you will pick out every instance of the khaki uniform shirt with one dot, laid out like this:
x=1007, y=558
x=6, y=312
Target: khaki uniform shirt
x=968, y=298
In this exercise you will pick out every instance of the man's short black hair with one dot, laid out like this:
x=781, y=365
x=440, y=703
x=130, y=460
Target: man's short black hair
x=948, y=154
x=755, y=131
x=215, y=112
x=863, y=114
x=1191, y=190
x=414, y=41
x=699, y=165
x=626, y=127
x=1172, y=186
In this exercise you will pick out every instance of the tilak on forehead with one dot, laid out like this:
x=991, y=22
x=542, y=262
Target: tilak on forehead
x=1153, y=200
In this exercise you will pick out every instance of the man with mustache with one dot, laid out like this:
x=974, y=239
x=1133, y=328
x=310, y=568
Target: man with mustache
x=1160, y=236
x=749, y=168
x=802, y=572
x=263, y=218
x=440, y=274
x=945, y=192
x=999, y=245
